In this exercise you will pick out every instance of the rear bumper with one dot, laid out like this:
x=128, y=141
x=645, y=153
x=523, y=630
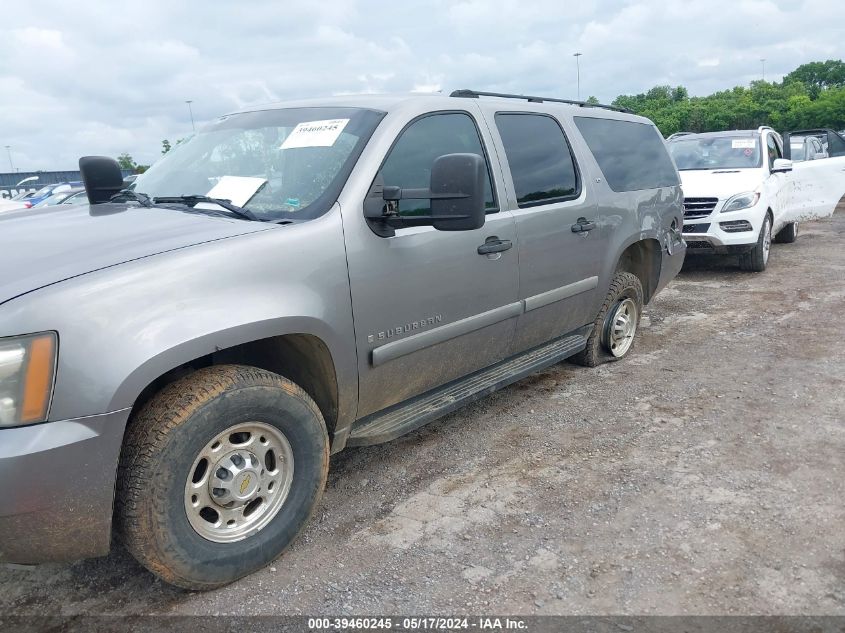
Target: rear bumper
x=58, y=488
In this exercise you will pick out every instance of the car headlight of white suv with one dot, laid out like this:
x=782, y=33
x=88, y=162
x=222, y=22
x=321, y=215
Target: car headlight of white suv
x=741, y=201
x=27, y=371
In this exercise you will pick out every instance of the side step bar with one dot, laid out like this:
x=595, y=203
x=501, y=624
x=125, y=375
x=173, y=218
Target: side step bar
x=396, y=421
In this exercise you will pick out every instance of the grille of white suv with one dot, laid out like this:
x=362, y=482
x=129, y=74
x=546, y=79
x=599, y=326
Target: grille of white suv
x=695, y=208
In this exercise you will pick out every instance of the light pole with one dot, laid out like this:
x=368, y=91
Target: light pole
x=578, y=72
x=9, y=151
x=763, y=61
x=191, y=112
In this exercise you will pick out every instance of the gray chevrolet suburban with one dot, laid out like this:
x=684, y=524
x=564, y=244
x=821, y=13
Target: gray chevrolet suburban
x=178, y=360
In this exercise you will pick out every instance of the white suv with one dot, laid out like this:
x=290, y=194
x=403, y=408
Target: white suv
x=739, y=192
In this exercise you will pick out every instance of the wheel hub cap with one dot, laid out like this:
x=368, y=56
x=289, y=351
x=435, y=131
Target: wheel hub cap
x=621, y=327
x=239, y=482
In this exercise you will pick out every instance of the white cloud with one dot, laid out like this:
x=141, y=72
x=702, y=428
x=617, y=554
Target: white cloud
x=81, y=78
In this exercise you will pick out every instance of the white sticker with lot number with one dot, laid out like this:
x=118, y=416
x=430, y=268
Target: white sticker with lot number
x=743, y=143
x=315, y=133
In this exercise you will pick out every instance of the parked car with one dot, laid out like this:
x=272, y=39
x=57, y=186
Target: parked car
x=48, y=190
x=67, y=196
x=740, y=193
x=806, y=148
x=368, y=265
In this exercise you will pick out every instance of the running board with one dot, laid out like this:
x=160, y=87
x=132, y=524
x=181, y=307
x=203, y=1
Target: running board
x=396, y=421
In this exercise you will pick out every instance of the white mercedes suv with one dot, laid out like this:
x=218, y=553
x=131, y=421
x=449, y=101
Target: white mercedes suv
x=740, y=193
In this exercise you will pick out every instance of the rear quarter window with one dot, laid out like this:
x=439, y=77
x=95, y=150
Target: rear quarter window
x=632, y=156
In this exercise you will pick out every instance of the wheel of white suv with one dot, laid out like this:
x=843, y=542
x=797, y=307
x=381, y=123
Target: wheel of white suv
x=616, y=324
x=219, y=472
x=757, y=258
x=788, y=234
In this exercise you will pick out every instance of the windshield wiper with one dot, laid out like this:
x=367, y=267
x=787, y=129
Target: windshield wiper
x=141, y=198
x=192, y=201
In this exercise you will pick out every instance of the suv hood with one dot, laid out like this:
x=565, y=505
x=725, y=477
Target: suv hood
x=43, y=247
x=719, y=183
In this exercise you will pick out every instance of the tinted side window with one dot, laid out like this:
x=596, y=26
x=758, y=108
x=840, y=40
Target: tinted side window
x=539, y=157
x=632, y=156
x=408, y=165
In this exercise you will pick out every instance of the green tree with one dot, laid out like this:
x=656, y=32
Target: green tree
x=819, y=76
x=125, y=161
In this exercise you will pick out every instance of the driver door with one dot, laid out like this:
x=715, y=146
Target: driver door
x=428, y=307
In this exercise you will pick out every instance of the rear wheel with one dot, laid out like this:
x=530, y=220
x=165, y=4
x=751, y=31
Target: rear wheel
x=787, y=234
x=757, y=258
x=219, y=473
x=616, y=324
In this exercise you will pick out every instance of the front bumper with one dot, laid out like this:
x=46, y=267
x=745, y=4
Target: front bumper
x=709, y=235
x=58, y=488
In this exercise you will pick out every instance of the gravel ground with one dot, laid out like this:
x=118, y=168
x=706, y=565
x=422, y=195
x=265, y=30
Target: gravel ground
x=703, y=475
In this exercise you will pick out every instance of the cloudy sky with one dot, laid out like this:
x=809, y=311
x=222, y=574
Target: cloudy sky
x=100, y=77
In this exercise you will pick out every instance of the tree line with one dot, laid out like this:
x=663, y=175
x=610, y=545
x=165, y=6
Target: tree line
x=811, y=96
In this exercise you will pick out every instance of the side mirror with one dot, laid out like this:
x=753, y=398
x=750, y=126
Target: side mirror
x=458, y=181
x=456, y=192
x=101, y=176
x=781, y=165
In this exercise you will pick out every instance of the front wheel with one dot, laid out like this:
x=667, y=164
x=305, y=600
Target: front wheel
x=757, y=258
x=616, y=324
x=219, y=473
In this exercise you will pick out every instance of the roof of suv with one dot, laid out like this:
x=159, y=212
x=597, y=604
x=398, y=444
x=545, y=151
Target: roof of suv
x=388, y=102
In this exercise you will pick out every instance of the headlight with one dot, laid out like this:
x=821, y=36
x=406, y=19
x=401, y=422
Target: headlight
x=27, y=368
x=741, y=201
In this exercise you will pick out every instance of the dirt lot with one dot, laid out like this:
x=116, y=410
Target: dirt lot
x=705, y=474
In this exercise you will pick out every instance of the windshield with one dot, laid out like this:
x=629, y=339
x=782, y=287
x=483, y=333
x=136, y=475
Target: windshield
x=716, y=152
x=278, y=164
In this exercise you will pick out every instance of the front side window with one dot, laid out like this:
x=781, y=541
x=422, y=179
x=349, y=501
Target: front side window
x=631, y=155
x=540, y=160
x=280, y=164
x=773, y=150
x=408, y=165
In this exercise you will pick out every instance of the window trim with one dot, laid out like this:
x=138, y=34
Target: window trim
x=497, y=206
x=545, y=201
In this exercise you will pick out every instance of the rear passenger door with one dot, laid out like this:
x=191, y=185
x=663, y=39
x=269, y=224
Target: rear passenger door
x=561, y=243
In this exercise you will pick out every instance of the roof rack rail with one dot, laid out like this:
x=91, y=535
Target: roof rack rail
x=677, y=134
x=474, y=94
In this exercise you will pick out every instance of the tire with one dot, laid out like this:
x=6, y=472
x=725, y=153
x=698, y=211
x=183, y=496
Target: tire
x=625, y=288
x=788, y=234
x=757, y=258
x=165, y=501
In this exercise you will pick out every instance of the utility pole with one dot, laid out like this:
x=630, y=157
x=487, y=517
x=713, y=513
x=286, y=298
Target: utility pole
x=578, y=72
x=191, y=112
x=9, y=151
x=763, y=61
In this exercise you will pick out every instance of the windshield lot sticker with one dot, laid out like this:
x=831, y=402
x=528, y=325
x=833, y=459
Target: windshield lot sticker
x=743, y=143
x=315, y=133
x=748, y=151
x=236, y=189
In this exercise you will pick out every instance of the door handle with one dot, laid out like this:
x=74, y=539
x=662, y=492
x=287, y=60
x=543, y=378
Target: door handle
x=494, y=245
x=583, y=225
